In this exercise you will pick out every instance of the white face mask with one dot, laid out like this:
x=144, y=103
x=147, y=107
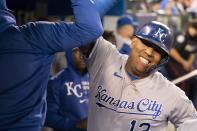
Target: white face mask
x=121, y=41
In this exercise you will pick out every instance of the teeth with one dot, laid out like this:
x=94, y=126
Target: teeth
x=144, y=61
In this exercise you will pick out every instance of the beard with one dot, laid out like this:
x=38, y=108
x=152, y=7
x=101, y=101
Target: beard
x=140, y=73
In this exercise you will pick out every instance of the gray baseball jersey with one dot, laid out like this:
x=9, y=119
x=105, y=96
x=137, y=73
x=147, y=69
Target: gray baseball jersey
x=119, y=104
x=190, y=125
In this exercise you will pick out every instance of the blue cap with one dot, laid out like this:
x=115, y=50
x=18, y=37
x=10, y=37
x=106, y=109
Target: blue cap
x=3, y=5
x=126, y=20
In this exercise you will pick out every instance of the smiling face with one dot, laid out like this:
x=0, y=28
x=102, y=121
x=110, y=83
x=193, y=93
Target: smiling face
x=142, y=59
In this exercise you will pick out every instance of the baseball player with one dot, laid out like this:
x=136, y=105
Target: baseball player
x=26, y=53
x=127, y=93
x=67, y=94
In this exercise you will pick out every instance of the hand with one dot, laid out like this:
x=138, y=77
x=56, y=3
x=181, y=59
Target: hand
x=82, y=124
x=187, y=66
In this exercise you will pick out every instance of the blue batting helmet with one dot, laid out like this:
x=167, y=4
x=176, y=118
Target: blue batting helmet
x=158, y=36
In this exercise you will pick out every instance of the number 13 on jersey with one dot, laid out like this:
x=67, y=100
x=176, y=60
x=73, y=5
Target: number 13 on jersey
x=144, y=126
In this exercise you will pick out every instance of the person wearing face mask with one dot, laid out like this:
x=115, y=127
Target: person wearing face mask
x=127, y=93
x=182, y=59
x=126, y=26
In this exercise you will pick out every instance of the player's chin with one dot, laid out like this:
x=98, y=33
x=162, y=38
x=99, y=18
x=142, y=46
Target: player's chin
x=143, y=72
x=83, y=67
x=141, y=68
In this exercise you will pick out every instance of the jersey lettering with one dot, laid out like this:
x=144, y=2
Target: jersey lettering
x=73, y=89
x=76, y=89
x=159, y=34
x=143, y=106
x=144, y=126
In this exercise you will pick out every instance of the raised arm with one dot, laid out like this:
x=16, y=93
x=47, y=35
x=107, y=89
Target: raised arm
x=58, y=36
x=88, y=21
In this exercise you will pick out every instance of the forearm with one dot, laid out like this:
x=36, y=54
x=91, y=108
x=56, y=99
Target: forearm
x=87, y=20
x=191, y=58
x=175, y=55
x=58, y=36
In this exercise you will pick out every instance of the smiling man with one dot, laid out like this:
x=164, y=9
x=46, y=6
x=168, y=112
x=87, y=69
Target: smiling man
x=127, y=93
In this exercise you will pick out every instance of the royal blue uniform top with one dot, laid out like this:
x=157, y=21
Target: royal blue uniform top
x=67, y=98
x=26, y=54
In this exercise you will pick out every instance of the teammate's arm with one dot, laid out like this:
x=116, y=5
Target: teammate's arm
x=58, y=36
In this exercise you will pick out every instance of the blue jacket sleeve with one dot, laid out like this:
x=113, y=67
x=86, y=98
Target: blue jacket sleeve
x=52, y=37
x=54, y=118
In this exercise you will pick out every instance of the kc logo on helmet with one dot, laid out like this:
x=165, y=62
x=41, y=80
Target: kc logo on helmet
x=160, y=35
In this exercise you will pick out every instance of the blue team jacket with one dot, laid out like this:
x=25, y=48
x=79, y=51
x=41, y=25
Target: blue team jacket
x=26, y=54
x=67, y=98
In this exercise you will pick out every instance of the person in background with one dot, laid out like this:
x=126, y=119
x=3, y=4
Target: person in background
x=182, y=59
x=67, y=94
x=187, y=4
x=126, y=91
x=169, y=6
x=126, y=26
x=26, y=55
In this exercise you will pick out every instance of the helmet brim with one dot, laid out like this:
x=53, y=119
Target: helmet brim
x=157, y=46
